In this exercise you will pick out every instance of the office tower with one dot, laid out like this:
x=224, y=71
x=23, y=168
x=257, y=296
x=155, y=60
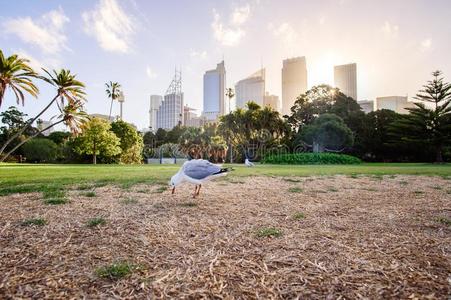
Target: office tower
x=395, y=103
x=271, y=101
x=155, y=102
x=294, y=81
x=251, y=88
x=214, y=93
x=190, y=118
x=44, y=124
x=170, y=113
x=367, y=105
x=345, y=78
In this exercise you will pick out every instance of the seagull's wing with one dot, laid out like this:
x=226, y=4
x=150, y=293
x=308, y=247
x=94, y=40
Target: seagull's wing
x=200, y=169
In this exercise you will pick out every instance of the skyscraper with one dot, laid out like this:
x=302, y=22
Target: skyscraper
x=395, y=103
x=345, y=78
x=214, y=93
x=294, y=81
x=155, y=102
x=251, y=88
x=271, y=101
x=170, y=112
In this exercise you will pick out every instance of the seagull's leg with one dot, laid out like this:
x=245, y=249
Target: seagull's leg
x=195, y=191
x=198, y=190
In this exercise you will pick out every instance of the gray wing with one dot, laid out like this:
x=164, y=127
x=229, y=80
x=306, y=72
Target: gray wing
x=200, y=169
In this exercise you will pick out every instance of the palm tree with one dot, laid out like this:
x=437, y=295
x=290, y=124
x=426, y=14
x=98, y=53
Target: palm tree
x=113, y=90
x=16, y=74
x=72, y=115
x=68, y=89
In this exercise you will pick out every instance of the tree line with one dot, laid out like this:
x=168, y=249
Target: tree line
x=321, y=120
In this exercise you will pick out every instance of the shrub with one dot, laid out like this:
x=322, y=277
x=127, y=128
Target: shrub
x=96, y=222
x=269, y=232
x=115, y=270
x=40, y=150
x=35, y=221
x=311, y=159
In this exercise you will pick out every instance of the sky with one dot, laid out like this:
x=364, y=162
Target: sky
x=139, y=43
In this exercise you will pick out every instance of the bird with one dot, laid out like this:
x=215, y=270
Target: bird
x=197, y=171
x=248, y=163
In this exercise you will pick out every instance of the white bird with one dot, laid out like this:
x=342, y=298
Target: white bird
x=197, y=171
x=248, y=163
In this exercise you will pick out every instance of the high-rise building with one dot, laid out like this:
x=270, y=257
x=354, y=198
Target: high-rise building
x=155, y=102
x=251, y=88
x=170, y=112
x=395, y=103
x=366, y=105
x=214, y=93
x=190, y=118
x=271, y=101
x=345, y=78
x=44, y=124
x=294, y=81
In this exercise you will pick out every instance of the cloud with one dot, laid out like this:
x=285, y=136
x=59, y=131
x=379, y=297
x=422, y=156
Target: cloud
x=426, y=45
x=198, y=54
x=232, y=33
x=151, y=73
x=35, y=63
x=110, y=25
x=285, y=32
x=390, y=30
x=240, y=15
x=46, y=32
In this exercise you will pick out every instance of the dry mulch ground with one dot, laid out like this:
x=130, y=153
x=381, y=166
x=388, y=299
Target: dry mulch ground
x=339, y=237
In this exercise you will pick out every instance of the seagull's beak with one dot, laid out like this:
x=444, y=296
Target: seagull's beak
x=173, y=190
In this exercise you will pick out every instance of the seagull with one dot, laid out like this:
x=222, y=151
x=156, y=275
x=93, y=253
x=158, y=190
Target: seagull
x=197, y=171
x=248, y=163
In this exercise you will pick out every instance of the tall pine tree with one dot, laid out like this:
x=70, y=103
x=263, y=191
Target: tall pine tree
x=428, y=125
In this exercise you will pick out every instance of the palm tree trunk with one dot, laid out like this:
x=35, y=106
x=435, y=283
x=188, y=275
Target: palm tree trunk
x=2, y=92
x=94, y=156
x=25, y=127
x=29, y=138
x=111, y=108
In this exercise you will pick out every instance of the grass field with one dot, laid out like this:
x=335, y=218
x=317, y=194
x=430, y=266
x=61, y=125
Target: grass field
x=28, y=177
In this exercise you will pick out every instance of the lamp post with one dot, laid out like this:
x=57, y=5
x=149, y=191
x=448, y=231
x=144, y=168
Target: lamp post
x=121, y=100
x=230, y=94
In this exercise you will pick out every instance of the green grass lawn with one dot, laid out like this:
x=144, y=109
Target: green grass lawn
x=29, y=177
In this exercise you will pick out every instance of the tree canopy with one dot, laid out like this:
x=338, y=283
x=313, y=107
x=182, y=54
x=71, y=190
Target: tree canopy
x=98, y=139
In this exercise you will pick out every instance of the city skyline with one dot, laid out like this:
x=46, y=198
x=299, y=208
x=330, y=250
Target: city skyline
x=132, y=43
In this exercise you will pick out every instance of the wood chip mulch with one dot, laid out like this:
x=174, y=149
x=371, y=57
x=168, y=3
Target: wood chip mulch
x=359, y=237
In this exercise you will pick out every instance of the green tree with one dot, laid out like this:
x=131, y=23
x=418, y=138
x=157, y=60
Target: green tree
x=428, y=126
x=12, y=120
x=252, y=127
x=40, y=150
x=113, y=91
x=71, y=115
x=375, y=135
x=327, y=133
x=131, y=142
x=16, y=74
x=59, y=137
x=316, y=101
x=69, y=90
x=160, y=137
x=97, y=139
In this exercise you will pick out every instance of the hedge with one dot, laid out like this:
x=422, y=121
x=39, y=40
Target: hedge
x=311, y=159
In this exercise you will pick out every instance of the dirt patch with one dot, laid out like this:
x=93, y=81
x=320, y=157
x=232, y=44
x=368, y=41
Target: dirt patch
x=336, y=237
